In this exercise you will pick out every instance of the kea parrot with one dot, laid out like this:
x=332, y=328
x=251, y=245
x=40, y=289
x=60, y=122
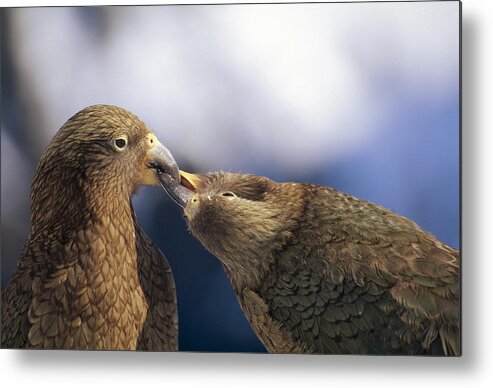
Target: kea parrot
x=88, y=276
x=319, y=271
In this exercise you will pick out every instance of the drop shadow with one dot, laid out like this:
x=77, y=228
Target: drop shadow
x=470, y=212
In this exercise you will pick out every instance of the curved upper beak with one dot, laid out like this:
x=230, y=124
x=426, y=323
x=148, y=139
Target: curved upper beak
x=165, y=169
x=188, y=186
x=179, y=185
x=161, y=161
x=184, y=189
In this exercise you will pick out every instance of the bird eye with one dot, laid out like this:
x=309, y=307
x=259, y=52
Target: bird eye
x=228, y=194
x=120, y=143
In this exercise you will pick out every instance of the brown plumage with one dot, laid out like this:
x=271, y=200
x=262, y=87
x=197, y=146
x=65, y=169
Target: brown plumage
x=88, y=277
x=319, y=271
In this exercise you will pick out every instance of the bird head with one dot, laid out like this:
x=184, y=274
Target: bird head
x=102, y=152
x=237, y=215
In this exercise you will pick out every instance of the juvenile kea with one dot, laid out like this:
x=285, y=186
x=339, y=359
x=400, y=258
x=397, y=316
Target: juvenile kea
x=319, y=271
x=88, y=277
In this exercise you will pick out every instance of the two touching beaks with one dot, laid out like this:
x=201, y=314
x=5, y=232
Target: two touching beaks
x=179, y=185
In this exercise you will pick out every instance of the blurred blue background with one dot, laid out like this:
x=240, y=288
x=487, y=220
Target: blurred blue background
x=360, y=97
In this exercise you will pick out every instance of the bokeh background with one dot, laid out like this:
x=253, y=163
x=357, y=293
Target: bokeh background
x=361, y=97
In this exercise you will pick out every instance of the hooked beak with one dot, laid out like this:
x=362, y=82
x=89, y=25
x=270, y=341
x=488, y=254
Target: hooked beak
x=161, y=161
x=183, y=189
x=164, y=169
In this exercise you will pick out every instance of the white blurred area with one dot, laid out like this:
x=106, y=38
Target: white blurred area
x=235, y=86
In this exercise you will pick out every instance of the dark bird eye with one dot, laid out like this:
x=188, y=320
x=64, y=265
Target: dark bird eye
x=228, y=194
x=120, y=143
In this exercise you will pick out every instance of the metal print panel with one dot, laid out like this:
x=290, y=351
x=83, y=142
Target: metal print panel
x=278, y=178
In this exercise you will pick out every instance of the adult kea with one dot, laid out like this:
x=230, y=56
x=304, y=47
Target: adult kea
x=319, y=271
x=88, y=277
